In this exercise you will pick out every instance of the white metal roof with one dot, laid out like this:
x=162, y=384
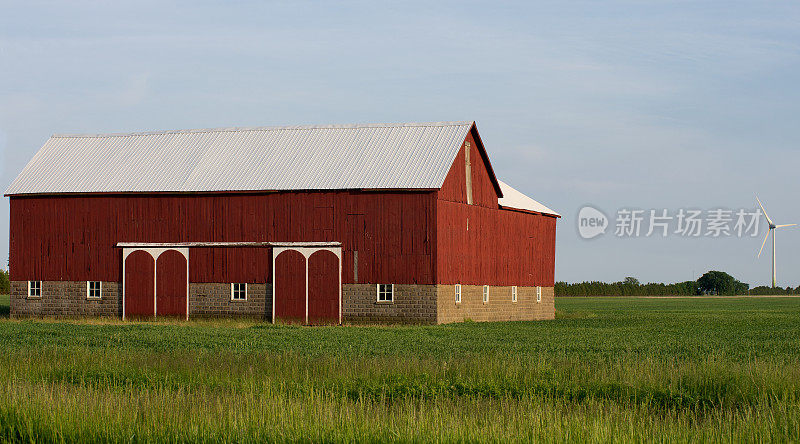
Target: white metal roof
x=399, y=156
x=514, y=199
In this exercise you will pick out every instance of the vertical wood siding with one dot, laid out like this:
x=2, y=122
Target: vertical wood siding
x=454, y=188
x=323, y=288
x=500, y=247
x=139, y=284
x=171, y=290
x=72, y=238
x=481, y=244
x=290, y=287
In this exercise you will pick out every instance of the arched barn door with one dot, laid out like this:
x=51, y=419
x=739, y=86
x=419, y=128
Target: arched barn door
x=139, y=285
x=171, y=285
x=290, y=287
x=323, y=288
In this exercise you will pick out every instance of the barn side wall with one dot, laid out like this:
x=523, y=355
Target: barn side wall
x=73, y=238
x=412, y=304
x=213, y=300
x=65, y=299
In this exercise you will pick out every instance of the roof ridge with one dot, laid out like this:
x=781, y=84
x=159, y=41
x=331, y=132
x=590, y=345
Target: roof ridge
x=272, y=128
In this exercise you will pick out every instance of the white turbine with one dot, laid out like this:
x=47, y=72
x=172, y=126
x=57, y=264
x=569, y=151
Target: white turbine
x=771, y=230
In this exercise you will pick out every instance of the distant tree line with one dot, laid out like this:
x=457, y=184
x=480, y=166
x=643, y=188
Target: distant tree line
x=711, y=283
x=5, y=284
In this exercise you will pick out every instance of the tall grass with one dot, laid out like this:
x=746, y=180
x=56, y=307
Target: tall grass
x=605, y=372
x=5, y=305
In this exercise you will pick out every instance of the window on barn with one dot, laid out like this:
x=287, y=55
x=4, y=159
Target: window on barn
x=93, y=290
x=485, y=294
x=538, y=294
x=458, y=293
x=514, y=293
x=385, y=292
x=34, y=289
x=238, y=292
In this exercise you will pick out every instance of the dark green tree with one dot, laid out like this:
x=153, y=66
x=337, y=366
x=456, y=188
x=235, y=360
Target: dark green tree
x=632, y=281
x=5, y=284
x=721, y=283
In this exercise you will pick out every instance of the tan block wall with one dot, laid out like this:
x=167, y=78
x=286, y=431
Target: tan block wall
x=65, y=299
x=413, y=304
x=499, y=308
x=214, y=300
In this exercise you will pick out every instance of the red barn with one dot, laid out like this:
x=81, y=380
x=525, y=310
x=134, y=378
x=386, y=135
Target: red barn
x=308, y=224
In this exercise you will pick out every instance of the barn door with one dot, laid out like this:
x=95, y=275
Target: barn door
x=171, y=284
x=139, y=286
x=290, y=287
x=323, y=288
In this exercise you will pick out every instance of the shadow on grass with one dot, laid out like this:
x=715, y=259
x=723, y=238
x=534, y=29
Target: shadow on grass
x=5, y=305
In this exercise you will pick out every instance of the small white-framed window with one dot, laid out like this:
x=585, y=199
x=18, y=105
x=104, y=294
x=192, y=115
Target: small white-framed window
x=514, y=293
x=485, y=294
x=458, y=293
x=94, y=290
x=34, y=289
x=238, y=291
x=538, y=294
x=385, y=292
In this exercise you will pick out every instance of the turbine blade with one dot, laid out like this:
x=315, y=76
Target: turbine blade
x=765, y=211
x=764, y=243
x=786, y=225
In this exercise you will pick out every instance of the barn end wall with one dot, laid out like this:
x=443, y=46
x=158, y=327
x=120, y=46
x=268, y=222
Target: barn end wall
x=479, y=243
x=499, y=308
x=484, y=246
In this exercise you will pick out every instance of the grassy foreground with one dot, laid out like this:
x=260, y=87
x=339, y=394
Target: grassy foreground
x=5, y=300
x=608, y=369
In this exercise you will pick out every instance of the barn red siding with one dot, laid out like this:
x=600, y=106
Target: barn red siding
x=72, y=238
x=483, y=246
x=171, y=289
x=139, y=284
x=455, y=184
x=323, y=288
x=290, y=287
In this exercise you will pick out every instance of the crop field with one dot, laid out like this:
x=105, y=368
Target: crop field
x=607, y=369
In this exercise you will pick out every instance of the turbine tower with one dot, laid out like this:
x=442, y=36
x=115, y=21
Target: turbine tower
x=771, y=230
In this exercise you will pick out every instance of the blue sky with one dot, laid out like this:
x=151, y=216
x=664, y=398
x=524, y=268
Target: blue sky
x=617, y=104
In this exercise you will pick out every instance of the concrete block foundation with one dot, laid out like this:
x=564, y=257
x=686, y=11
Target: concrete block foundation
x=412, y=304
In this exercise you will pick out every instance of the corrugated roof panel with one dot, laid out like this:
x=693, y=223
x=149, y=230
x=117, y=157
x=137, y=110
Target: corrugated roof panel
x=514, y=199
x=401, y=156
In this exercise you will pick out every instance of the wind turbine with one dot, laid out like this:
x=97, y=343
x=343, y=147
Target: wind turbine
x=771, y=230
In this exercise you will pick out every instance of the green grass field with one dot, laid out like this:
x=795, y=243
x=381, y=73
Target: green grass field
x=608, y=369
x=4, y=305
